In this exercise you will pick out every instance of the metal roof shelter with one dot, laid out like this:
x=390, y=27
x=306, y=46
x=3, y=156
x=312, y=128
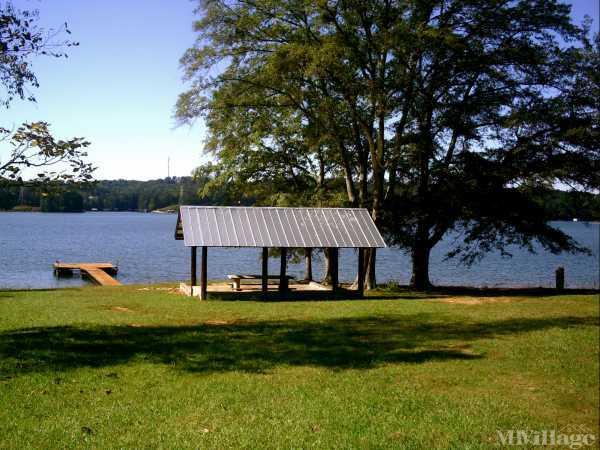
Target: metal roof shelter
x=308, y=228
x=213, y=226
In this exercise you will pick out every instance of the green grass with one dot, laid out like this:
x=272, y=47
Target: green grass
x=143, y=367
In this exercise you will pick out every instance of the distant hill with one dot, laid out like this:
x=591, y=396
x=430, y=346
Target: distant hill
x=167, y=193
x=568, y=205
x=129, y=195
x=111, y=195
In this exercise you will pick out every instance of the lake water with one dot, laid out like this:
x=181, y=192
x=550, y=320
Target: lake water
x=145, y=250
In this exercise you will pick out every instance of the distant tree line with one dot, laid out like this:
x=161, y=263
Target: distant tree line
x=132, y=195
x=129, y=195
x=116, y=195
x=567, y=205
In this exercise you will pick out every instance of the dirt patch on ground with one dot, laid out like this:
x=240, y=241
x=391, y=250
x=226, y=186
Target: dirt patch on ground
x=169, y=290
x=218, y=322
x=120, y=309
x=475, y=300
x=223, y=322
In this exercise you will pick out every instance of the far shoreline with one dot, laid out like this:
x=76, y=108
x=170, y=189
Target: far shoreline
x=85, y=211
x=160, y=211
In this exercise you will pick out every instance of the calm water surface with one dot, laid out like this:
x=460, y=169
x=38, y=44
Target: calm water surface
x=144, y=248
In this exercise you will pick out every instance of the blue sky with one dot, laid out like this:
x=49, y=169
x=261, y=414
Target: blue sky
x=119, y=87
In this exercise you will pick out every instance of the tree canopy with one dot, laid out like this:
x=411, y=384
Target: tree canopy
x=434, y=114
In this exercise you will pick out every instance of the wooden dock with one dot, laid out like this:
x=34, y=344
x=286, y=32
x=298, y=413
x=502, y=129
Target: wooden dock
x=97, y=272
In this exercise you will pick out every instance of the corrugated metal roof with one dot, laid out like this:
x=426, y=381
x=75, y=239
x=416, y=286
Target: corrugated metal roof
x=225, y=226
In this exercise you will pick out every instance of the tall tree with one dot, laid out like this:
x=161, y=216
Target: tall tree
x=30, y=149
x=437, y=114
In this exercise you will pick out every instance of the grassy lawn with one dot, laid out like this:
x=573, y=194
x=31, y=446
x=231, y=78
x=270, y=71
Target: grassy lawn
x=144, y=367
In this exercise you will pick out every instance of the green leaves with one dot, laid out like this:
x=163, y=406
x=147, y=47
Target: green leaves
x=32, y=146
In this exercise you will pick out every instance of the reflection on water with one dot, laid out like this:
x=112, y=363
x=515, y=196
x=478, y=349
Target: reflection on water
x=143, y=247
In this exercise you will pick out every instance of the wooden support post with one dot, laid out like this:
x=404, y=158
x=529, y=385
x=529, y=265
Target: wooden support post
x=193, y=270
x=361, y=271
x=560, y=278
x=334, y=252
x=308, y=276
x=265, y=270
x=203, y=280
x=283, y=281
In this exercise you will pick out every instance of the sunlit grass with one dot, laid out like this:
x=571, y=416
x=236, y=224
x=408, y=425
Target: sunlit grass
x=145, y=367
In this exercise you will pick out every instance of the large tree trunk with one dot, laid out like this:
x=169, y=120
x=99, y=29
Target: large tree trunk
x=422, y=243
x=420, y=268
x=328, y=267
x=369, y=274
x=308, y=274
x=420, y=259
x=370, y=256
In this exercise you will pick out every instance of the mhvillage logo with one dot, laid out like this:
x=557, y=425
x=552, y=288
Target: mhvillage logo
x=571, y=436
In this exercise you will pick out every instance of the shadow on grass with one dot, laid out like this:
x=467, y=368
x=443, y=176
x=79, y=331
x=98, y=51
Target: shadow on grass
x=397, y=293
x=318, y=296
x=345, y=343
x=446, y=291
